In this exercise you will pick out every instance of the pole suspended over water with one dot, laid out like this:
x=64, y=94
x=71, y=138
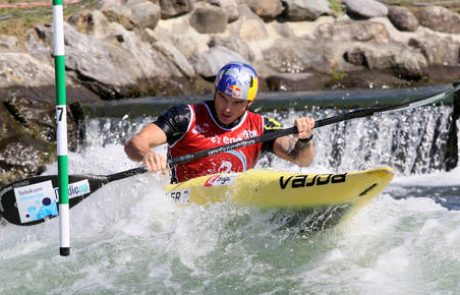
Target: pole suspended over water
x=61, y=119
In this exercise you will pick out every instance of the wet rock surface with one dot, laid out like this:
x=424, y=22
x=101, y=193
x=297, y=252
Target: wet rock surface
x=28, y=136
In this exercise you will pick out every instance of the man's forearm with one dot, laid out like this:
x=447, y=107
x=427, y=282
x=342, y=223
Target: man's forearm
x=133, y=151
x=302, y=153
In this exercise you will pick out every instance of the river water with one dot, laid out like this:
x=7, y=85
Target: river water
x=127, y=238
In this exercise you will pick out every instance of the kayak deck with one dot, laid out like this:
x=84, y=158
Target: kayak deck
x=277, y=189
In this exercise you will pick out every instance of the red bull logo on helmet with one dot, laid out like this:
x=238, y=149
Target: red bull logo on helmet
x=233, y=91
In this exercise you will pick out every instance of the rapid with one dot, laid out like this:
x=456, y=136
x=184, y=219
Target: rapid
x=128, y=238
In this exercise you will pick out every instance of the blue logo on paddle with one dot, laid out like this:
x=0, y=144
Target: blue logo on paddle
x=42, y=209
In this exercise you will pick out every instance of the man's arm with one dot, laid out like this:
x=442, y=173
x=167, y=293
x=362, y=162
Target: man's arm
x=297, y=149
x=169, y=127
x=139, y=148
x=140, y=144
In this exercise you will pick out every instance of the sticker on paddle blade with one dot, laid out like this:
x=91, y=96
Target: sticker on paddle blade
x=221, y=179
x=36, y=201
x=76, y=189
x=179, y=196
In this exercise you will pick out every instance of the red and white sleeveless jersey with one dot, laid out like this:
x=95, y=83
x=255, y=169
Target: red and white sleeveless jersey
x=205, y=133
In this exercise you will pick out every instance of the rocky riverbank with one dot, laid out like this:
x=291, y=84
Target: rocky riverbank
x=132, y=48
x=139, y=47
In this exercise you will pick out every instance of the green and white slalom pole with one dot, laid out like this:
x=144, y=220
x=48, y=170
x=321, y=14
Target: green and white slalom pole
x=61, y=118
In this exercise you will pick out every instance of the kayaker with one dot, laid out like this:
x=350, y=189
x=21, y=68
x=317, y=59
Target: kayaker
x=226, y=119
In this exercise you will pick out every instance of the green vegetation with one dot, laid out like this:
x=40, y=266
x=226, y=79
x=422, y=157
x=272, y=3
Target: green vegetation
x=336, y=6
x=17, y=21
x=337, y=76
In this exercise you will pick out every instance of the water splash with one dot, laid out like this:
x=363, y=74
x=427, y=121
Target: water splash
x=412, y=142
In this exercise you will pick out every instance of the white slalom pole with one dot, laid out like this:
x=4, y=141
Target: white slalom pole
x=61, y=119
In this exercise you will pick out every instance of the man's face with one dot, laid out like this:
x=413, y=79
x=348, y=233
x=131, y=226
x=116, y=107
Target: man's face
x=229, y=109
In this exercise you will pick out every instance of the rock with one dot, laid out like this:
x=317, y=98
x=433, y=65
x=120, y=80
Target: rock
x=229, y=6
x=38, y=119
x=27, y=141
x=364, y=9
x=174, y=55
x=249, y=27
x=441, y=74
x=285, y=29
x=362, y=79
x=97, y=64
x=144, y=14
x=43, y=33
x=297, y=82
x=439, y=19
x=132, y=13
x=200, y=86
x=404, y=61
x=22, y=156
x=175, y=8
x=31, y=75
x=38, y=46
x=209, y=63
x=93, y=23
x=268, y=10
x=442, y=51
x=373, y=57
x=21, y=69
x=402, y=18
x=234, y=44
x=296, y=56
x=305, y=10
x=180, y=34
x=209, y=19
x=345, y=31
x=8, y=42
x=409, y=65
x=357, y=57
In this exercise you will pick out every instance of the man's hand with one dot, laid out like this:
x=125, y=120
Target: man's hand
x=305, y=127
x=156, y=163
x=297, y=149
x=139, y=148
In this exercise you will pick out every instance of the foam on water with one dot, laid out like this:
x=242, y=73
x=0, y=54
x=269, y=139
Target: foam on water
x=391, y=247
x=438, y=178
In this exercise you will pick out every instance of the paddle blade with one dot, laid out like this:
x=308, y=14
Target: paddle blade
x=34, y=200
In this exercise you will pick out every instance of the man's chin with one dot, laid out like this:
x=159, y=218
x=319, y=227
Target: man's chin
x=226, y=120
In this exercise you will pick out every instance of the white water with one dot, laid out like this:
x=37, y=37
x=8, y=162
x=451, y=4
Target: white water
x=127, y=238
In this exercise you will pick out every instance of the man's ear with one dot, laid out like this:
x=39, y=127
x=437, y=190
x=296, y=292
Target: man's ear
x=249, y=104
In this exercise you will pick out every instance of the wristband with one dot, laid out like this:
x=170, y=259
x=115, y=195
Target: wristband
x=305, y=140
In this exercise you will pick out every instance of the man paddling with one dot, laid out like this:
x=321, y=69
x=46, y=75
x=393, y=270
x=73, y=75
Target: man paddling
x=226, y=119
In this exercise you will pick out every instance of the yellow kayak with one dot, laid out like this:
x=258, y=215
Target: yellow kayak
x=278, y=189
